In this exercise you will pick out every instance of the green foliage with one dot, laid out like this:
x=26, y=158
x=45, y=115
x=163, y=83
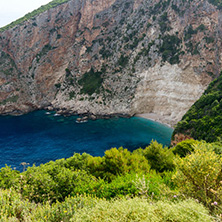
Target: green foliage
x=15, y=208
x=68, y=189
x=160, y=7
x=122, y=161
x=140, y=210
x=204, y=118
x=12, y=99
x=175, y=8
x=123, y=60
x=199, y=174
x=44, y=51
x=8, y=177
x=209, y=39
x=185, y=147
x=53, y=182
x=217, y=147
x=163, y=23
x=117, y=162
x=34, y=13
x=201, y=28
x=72, y=95
x=91, y=82
x=148, y=25
x=86, y=208
x=159, y=158
x=170, y=49
x=58, y=85
x=105, y=52
x=189, y=32
x=217, y=3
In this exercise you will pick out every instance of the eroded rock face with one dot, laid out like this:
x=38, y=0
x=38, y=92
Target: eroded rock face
x=168, y=91
x=112, y=56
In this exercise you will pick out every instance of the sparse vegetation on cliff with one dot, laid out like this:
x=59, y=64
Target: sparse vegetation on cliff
x=170, y=49
x=129, y=41
x=91, y=82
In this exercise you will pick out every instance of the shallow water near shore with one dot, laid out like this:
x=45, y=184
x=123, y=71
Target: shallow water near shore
x=38, y=137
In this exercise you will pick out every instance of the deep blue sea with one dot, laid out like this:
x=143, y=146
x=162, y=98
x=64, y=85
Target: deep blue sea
x=37, y=138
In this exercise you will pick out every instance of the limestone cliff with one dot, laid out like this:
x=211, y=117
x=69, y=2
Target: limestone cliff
x=112, y=56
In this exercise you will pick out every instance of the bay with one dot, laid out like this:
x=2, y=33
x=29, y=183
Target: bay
x=37, y=138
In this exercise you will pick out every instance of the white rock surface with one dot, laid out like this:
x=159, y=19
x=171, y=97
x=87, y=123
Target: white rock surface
x=168, y=91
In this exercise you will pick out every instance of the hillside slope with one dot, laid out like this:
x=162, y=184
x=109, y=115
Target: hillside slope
x=203, y=121
x=111, y=56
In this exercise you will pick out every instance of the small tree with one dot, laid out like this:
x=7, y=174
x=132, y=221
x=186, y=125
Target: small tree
x=199, y=175
x=185, y=147
x=159, y=158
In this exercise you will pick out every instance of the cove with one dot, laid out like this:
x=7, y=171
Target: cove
x=37, y=138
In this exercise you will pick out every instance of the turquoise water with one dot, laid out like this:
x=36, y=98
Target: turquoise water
x=37, y=138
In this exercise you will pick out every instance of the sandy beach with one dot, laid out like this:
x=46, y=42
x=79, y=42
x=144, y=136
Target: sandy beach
x=161, y=119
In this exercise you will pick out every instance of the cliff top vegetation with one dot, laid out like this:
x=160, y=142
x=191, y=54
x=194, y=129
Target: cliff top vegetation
x=55, y=3
x=34, y=13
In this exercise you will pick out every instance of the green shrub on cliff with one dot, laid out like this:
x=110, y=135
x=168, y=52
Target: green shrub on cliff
x=170, y=49
x=91, y=82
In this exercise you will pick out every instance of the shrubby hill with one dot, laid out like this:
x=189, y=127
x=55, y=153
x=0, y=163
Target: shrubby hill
x=183, y=183
x=203, y=121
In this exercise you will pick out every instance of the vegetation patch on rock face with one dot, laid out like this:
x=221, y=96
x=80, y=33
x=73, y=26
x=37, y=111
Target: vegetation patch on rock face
x=204, y=119
x=12, y=99
x=91, y=82
x=217, y=3
x=44, y=51
x=170, y=49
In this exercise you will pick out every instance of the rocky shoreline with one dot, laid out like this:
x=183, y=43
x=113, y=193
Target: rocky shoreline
x=91, y=116
x=86, y=115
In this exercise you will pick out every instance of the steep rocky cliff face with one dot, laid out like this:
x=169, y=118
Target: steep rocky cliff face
x=112, y=56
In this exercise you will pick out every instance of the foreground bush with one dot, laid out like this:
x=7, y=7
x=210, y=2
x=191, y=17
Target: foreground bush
x=15, y=208
x=185, y=147
x=160, y=159
x=141, y=210
x=87, y=208
x=199, y=175
x=117, y=162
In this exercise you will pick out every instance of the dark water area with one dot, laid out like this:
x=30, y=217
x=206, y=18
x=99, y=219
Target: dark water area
x=37, y=138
